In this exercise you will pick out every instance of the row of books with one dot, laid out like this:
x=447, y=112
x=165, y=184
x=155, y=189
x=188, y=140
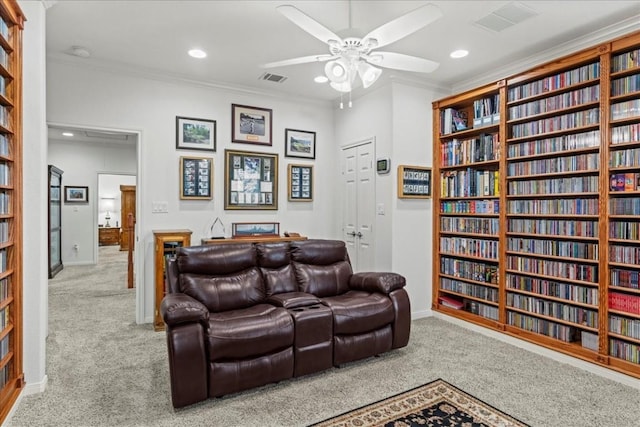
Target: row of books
x=5, y=170
x=624, y=302
x=624, y=326
x=557, y=123
x=4, y=58
x=555, y=186
x=486, y=111
x=4, y=375
x=624, y=254
x=624, y=206
x=471, y=306
x=470, y=206
x=4, y=116
x=624, y=350
x=559, y=269
x=550, y=288
x=4, y=145
x=558, y=81
x=625, y=85
x=558, y=310
x=470, y=247
x=470, y=289
x=4, y=30
x=4, y=347
x=624, y=230
x=624, y=278
x=481, y=148
x=553, y=247
x=470, y=225
x=557, y=102
x=624, y=158
x=469, y=183
x=472, y=270
x=557, y=227
x=625, y=109
x=555, y=144
x=542, y=326
x=4, y=288
x=452, y=120
x=4, y=231
x=580, y=162
x=4, y=317
x=625, y=61
x=625, y=134
x=553, y=206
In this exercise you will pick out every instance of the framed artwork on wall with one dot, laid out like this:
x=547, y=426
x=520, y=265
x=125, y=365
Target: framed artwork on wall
x=251, y=125
x=414, y=182
x=300, y=183
x=299, y=143
x=75, y=194
x=195, y=178
x=251, y=180
x=195, y=134
x=241, y=230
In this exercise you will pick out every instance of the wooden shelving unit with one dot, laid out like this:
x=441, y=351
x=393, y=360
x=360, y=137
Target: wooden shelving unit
x=11, y=373
x=556, y=260
x=166, y=243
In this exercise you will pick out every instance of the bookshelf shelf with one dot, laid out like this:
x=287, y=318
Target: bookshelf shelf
x=568, y=170
x=469, y=132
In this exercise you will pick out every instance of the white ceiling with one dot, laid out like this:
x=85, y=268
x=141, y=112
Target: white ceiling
x=154, y=36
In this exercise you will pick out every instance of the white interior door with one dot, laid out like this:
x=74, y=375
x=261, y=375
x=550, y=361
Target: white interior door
x=359, y=205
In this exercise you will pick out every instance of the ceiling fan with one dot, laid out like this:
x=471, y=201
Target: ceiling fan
x=353, y=56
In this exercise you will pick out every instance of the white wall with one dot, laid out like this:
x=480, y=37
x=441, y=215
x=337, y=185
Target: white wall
x=35, y=255
x=110, y=196
x=131, y=102
x=81, y=163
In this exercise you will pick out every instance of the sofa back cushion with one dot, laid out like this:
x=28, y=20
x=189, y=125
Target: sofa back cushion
x=321, y=267
x=222, y=277
x=275, y=264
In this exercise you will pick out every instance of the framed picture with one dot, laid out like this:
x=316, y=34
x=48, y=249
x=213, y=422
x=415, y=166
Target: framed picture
x=300, y=183
x=414, y=182
x=299, y=143
x=195, y=134
x=251, y=125
x=251, y=180
x=195, y=178
x=254, y=229
x=73, y=194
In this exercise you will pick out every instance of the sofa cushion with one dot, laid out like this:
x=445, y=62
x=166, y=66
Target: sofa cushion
x=230, y=292
x=279, y=280
x=249, y=332
x=319, y=252
x=323, y=280
x=273, y=255
x=218, y=259
x=356, y=312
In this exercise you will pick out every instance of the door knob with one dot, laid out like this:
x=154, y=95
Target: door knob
x=359, y=234
x=352, y=234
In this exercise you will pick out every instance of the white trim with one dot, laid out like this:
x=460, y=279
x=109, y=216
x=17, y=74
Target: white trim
x=70, y=263
x=369, y=140
x=544, y=351
x=421, y=314
x=35, y=388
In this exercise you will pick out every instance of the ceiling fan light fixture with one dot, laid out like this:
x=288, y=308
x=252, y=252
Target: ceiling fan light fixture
x=460, y=53
x=337, y=71
x=321, y=79
x=341, y=87
x=197, y=53
x=368, y=73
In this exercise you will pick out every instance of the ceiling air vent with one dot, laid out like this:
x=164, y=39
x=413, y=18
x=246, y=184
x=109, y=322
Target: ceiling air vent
x=505, y=17
x=272, y=78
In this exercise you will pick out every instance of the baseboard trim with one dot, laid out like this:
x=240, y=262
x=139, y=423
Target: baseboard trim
x=31, y=388
x=543, y=351
x=70, y=263
x=421, y=314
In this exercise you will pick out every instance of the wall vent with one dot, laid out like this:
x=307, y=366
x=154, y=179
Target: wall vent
x=272, y=78
x=507, y=16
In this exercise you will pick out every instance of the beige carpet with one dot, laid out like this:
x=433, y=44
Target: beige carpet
x=104, y=370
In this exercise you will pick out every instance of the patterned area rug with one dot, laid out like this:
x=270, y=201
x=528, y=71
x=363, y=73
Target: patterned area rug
x=435, y=404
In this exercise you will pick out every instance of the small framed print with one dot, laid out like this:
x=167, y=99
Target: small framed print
x=251, y=125
x=414, y=182
x=300, y=143
x=241, y=230
x=73, y=194
x=195, y=178
x=195, y=134
x=300, y=183
x=251, y=180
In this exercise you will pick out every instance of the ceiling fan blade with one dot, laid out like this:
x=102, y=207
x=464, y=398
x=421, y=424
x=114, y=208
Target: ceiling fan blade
x=300, y=60
x=308, y=24
x=400, y=61
x=404, y=25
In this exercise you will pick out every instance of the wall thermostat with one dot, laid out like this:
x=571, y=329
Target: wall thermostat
x=383, y=165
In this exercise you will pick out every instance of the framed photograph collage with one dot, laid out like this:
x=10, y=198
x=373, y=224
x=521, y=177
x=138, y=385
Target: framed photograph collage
x=251, y=180
x=195, y=178
x=300, y=183
x=414, y=182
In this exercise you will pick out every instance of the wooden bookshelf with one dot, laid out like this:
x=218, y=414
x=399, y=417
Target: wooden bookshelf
x=553, y=260
x=11, y=364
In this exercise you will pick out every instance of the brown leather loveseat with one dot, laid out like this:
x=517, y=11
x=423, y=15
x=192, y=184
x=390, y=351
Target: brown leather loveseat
x=242, y=315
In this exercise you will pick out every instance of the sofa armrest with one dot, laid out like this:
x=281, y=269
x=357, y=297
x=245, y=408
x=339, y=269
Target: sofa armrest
x=181, y=308
x=293, y=299
x=384, y=283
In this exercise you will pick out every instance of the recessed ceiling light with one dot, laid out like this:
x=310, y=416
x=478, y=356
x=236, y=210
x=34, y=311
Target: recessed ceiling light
x=67, y=134
x=321, y=79
x=198, y=53
x=461, y=53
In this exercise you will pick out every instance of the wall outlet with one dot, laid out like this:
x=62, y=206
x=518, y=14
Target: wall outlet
x=380, y=209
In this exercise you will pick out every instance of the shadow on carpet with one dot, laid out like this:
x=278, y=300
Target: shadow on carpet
x=437, y=403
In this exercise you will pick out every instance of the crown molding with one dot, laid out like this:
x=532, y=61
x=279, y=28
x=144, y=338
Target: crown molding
x=151, y=74
x=606, y=34
x=48, y=3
